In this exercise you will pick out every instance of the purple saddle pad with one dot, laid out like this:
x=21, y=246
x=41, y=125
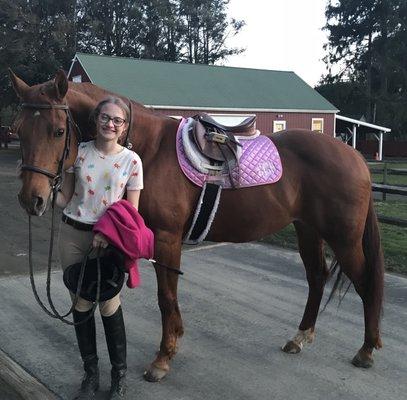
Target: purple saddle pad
x=259, y=163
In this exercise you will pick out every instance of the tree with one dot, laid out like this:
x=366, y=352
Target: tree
x=36, y=38
x=161, y=30
x=206, y=30
x=110, y=27
x=367, y=39
x=172, y=30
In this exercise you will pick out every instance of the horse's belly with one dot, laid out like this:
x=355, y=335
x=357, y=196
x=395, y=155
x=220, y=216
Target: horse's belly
x=249, y=214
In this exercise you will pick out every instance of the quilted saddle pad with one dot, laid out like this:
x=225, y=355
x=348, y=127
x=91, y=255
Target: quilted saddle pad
x=259, y=162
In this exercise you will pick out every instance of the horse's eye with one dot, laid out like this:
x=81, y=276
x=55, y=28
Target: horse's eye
x=59, y=132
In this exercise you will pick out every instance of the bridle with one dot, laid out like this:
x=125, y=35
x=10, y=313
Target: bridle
x=56, y=181
x=55, y=186
x=56, y=177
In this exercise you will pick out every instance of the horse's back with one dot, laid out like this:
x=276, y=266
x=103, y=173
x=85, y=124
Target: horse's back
x=321, y=153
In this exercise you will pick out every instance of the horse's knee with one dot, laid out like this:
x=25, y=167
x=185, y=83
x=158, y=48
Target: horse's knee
x=167, y=302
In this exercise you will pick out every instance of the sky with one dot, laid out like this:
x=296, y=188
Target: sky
x=281, y=35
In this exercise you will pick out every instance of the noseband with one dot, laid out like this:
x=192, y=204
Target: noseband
x=56, y=177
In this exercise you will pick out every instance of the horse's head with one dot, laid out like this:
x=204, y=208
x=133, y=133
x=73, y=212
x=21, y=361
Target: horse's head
x=45, y=135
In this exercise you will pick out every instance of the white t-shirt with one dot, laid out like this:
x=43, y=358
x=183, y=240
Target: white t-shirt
x=101, y=180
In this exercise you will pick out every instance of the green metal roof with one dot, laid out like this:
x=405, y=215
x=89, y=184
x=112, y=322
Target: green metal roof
x=159, y=83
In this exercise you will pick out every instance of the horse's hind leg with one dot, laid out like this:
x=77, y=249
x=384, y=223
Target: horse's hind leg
x=353, y=263
x=168, y=252
x=311, y=250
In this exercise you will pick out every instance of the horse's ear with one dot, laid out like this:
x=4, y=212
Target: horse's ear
x=61, y=84
x=19, y=86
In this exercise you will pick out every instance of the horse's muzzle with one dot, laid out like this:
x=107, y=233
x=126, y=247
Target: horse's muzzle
x=33, y=205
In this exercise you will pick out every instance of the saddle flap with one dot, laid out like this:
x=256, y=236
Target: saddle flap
x=210, y=149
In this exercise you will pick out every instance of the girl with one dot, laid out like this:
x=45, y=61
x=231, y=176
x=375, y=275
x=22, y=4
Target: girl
x=102, y=172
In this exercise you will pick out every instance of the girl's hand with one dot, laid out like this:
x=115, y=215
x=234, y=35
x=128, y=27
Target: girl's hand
x=99, y=241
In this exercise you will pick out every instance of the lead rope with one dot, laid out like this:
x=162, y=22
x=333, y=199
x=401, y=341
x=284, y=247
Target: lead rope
x=55, y=313
x=56, y=183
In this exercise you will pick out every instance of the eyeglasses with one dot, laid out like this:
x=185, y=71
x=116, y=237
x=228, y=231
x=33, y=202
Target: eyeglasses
x=117, y=121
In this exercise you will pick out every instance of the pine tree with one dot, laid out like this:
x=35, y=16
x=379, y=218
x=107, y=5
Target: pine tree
x=367, y=39
x=109, y=27
x=206, y=29
x=36, y=38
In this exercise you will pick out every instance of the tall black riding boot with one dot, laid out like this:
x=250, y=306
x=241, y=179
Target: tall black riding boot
x=86, y=336
x=116, y=345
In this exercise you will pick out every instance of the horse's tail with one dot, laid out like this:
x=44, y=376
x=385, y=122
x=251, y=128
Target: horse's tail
x=374, y=266
x=373, y=252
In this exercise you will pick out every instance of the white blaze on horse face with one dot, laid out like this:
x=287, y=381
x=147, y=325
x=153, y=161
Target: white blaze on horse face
x=37, y=113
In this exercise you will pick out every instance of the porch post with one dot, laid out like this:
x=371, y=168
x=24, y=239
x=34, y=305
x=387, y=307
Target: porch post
x=354, y=136
x=381, y=146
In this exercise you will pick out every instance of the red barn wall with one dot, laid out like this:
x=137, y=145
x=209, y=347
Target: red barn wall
x=78, y=70
x=294, y=120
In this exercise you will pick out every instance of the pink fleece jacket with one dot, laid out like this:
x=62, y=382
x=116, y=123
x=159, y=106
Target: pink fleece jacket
x=124, y=228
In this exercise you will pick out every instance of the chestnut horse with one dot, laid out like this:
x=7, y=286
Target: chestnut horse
x=325, y=191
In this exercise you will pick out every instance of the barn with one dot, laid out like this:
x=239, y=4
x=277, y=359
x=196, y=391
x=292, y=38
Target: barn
x=280, y=99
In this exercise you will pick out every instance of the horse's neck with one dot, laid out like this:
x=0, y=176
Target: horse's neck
x=81, y=106
x=147, y=130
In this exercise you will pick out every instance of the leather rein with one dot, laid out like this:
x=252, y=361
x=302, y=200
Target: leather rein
x=55, y=183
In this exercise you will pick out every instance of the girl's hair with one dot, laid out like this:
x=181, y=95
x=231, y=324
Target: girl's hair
x=112, y=100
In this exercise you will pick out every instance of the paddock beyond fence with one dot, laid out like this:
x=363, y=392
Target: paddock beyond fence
x=393, y=182
x=402, y=191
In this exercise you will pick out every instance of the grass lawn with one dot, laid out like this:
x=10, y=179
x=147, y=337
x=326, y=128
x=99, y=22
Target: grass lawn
x=394, y=239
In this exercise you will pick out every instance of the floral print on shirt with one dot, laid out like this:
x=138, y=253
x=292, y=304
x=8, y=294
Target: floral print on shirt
x=101, y=181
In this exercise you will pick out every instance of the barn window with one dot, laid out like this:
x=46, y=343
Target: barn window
x=279, y=126
x=317, y=125
x=77, y=78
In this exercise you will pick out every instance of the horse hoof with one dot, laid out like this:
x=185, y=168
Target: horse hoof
x=291, y=348
x=363, y=361
x=154, y=374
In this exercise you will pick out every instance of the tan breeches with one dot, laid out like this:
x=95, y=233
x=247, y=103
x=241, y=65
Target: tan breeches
x=73, y=245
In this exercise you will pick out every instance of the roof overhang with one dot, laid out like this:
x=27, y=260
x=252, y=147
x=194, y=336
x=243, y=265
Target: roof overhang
x=358, y=123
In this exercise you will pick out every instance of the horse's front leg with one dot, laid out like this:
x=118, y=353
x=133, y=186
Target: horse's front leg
x=168, y=252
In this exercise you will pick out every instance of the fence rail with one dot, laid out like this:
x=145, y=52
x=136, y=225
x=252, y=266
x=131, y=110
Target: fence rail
x=390, y=189
x=385, y=169
x=379, y=187
x=391, y=171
